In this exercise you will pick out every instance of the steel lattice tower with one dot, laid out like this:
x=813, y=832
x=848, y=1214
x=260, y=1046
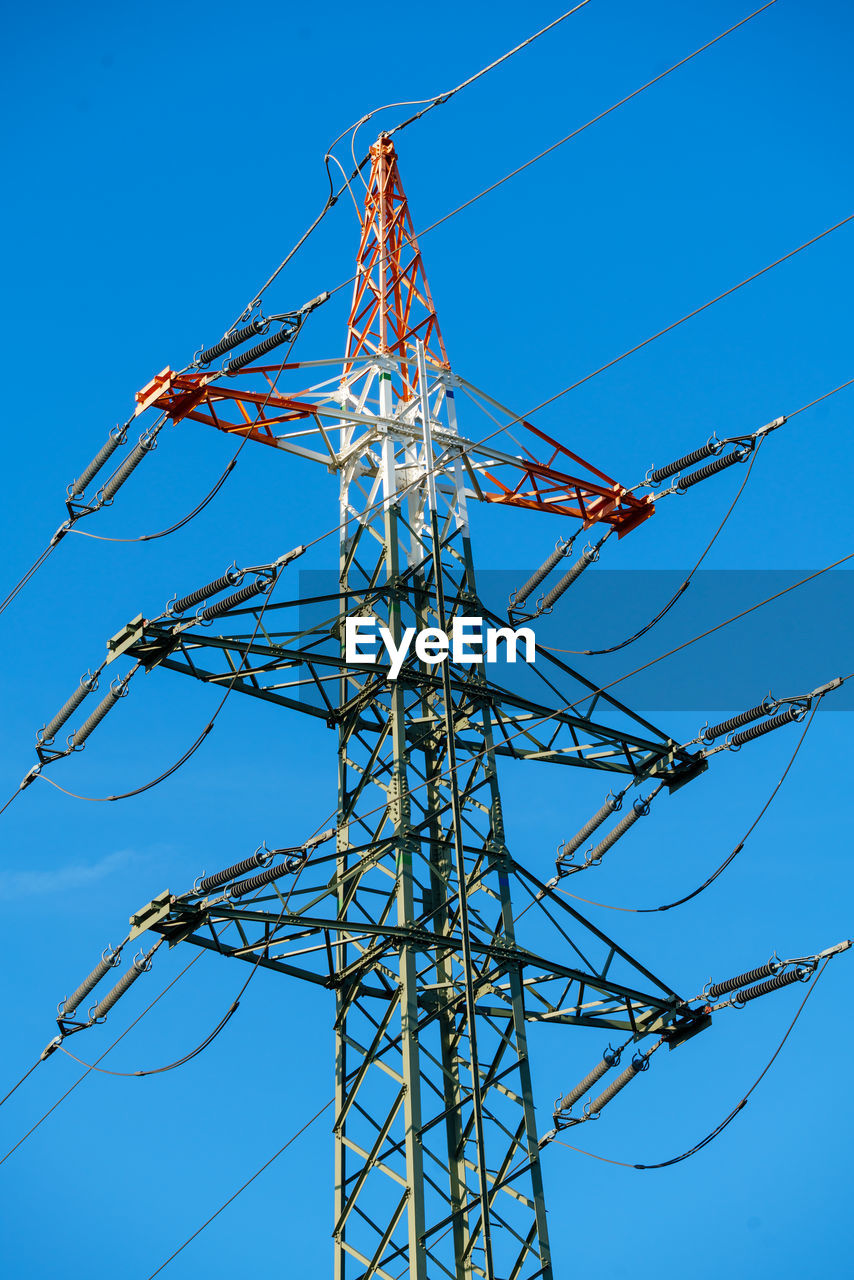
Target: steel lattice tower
x=409, y=923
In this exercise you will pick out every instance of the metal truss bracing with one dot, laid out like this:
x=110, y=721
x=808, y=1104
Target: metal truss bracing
x=570, y=723
x=419, y=1183
x=410, y=924
x=392, y=306
x=335, y=420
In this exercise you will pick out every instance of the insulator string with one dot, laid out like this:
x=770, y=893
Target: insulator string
x=710, y=1137
x=668, y=906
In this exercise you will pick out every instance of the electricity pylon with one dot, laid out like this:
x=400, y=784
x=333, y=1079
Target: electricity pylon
x=409, y=921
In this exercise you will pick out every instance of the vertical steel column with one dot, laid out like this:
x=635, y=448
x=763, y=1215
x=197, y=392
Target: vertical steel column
x=451, y=756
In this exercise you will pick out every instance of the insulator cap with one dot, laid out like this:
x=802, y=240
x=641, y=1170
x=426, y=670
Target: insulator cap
x=763, y=708
x=798, y=974
x=183, y=603
x=106, y=451
x=236, y=599
x=610, y=806
x=743, y=979
x=708, y=450
x=586, y=558
x=609, y=1059
x=88, y=684
x=788, y=716
x=106, y=704
x=711, y=469
x=231, y=340
x=562, y=549
x=108, y=961
x=259, y=859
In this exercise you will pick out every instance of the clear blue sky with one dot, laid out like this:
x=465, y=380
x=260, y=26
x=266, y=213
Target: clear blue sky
x=162, y=158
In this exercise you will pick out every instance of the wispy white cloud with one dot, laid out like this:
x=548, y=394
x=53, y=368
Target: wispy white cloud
x=27, y=884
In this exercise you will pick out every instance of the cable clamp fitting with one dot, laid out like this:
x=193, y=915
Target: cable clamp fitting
x=769, y=426
x=844, y=945
x=293, y=554
x=50, y=1047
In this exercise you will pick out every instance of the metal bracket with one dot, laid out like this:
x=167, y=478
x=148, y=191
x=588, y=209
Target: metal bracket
x=686, y=1030
x=125, y=638
x=152, y=913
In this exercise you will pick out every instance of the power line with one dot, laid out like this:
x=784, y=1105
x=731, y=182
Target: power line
x=550, y=648
x=683, y=587
x=170, y=1066
x=241, y=1189
x=594, y=120
x=33, y=569
x=173, y=528
x=594, y=693
x=668, y=906
x=710, y=1137
x=334, y=195
x=193, y=748
x=220, y=1026
x=452, y=213
x=442, y=98
x=24, y=1077
x=109, y=1049
x=735, y=618
x=819, y=399
x=437, y=101
x=691, y=314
